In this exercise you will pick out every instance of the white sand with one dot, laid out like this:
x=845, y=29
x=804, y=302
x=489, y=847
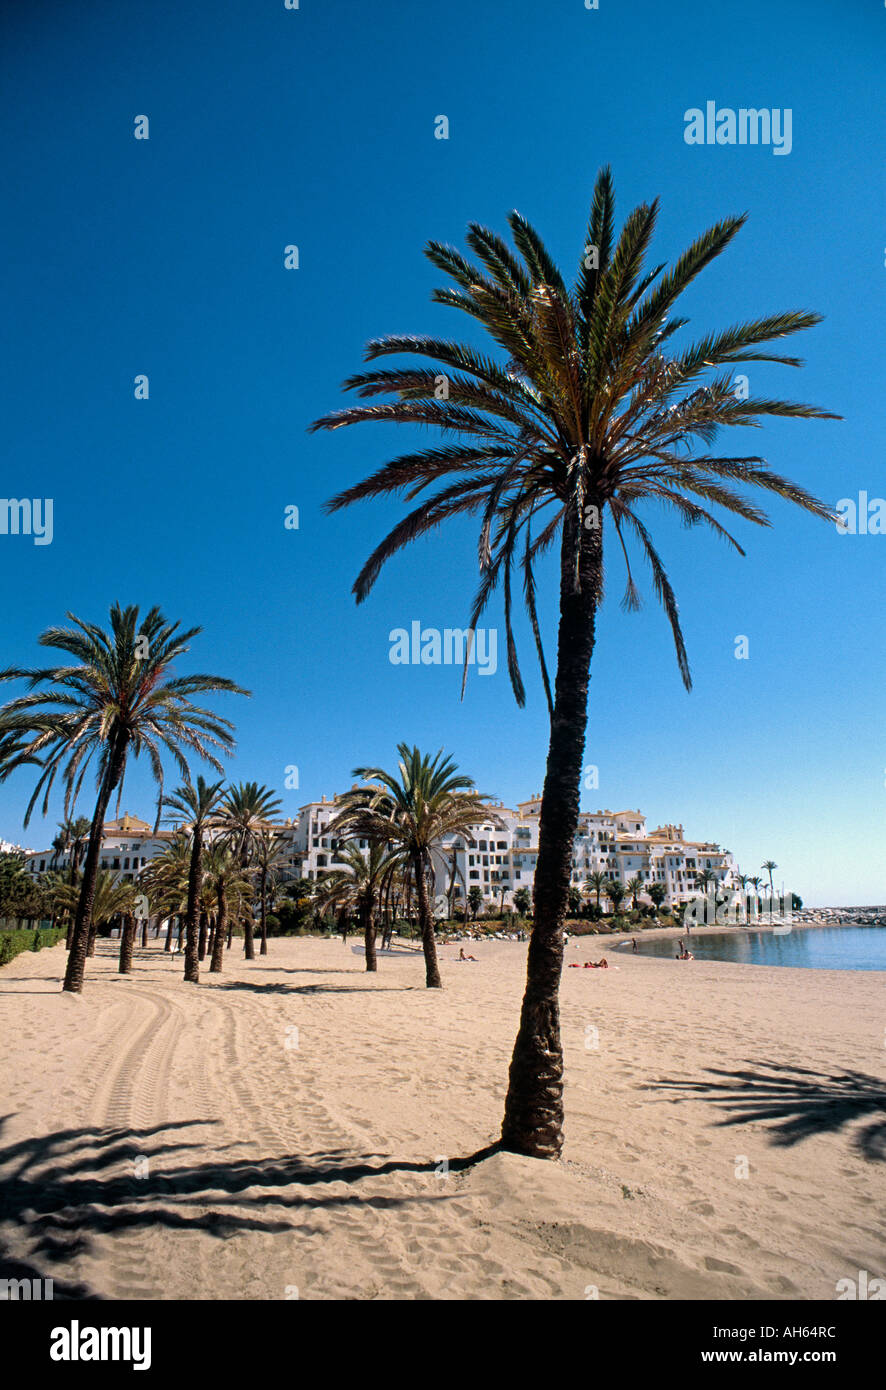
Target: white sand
x=271, y=1167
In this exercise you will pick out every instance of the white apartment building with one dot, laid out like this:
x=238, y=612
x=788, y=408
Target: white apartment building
x=497, y=855
x=128, y=844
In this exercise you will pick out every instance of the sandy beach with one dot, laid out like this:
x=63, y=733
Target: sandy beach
x=296, y=1128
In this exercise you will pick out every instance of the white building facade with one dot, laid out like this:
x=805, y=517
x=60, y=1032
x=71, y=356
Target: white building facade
x=498, y=855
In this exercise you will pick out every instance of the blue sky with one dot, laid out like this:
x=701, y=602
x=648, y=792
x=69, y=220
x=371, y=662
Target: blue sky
x=315, y=127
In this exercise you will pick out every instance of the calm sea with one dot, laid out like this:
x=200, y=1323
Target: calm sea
x=815, y=948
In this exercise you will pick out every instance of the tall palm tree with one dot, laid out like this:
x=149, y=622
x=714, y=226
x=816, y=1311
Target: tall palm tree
x=247, y=811
x=523, y=901
x=113, y=897
x=76, y=832
x=71, y=833
x=707, y=881
x=585, y=413
x=58, y=845
x=455, y=873
x=413, y=810
x=269, y=848
x=616, y=892
x=225, y=879
x=657, y=892
x=475, y=899
x=743, y=881
x=596, y=883
x=165, y=880
x=635, y=887
x=77, y=829
x=119, y=697
x=55, y=895
x=756, y=883
x=200, y=805
x=360, y=887
x=769, y=865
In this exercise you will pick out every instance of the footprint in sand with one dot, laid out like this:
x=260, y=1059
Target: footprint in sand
x=720, y=1266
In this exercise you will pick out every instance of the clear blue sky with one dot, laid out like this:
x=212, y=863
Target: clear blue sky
x=316, y=127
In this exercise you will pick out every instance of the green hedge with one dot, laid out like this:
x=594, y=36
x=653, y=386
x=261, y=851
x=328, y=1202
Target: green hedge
x=12, y=943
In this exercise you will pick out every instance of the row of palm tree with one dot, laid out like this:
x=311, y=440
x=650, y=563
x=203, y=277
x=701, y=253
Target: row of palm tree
x=583, y=412
x=115, y=698
x=404, y=817
x=240, y=815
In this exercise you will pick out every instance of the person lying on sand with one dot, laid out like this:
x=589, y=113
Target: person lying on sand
x=462, y=956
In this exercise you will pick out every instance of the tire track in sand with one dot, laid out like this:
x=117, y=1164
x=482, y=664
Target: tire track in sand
x=398, y=1235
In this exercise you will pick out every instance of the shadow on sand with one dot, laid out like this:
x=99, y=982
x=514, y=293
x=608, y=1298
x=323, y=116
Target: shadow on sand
x=57, y=1192
x=796, y=1101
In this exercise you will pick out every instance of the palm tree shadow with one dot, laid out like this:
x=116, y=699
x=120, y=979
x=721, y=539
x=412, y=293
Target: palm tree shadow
x=60, y=1191
x=275, y=988
x=796, y=1101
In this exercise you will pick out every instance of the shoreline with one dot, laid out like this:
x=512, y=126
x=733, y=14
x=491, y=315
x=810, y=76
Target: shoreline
x=623, y=940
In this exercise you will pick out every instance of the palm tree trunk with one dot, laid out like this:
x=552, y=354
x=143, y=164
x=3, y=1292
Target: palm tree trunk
x=72, y=879
x=127, y=940
x=192, y=969
x=533, y=1118
x=168, y=946
x=369, y=928
x=248, y=937
x=264, y=912
x=211, y=943
x=770, y=896
x=76, y=967
x=218, y=945
x=201, y=945
x=426, y=923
